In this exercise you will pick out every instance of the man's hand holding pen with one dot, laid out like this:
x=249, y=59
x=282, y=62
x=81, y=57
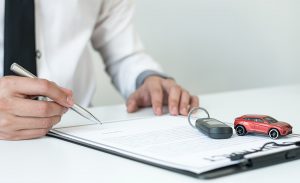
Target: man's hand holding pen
x=24, y=118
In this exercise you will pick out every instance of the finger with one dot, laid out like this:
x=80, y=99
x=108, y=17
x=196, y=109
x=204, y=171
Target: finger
x=132, y=103
x=156, y=94
x=54, y=92
x=174, y=99
x=39, y=87
x=194, y=101
x=36, y=123
x=14, y=123
x=68, y=91
x=168, y=84
x=24, y=134
x=184, y=103
x=35, y=108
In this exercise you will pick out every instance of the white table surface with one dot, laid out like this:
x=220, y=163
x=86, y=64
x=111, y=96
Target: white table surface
x=51, y=160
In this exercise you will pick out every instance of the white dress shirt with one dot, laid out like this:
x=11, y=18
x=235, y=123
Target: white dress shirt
x=64, y=31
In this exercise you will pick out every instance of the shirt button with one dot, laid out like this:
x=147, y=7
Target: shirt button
x=38, y=54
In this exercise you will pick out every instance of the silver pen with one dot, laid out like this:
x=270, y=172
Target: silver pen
x=16, y=68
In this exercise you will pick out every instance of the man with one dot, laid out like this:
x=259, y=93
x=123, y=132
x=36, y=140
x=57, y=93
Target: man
x=53, y=39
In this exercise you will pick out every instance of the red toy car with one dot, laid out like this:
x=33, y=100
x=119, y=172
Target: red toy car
x=261, y=124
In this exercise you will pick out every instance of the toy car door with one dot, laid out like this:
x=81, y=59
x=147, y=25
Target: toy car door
x=251, y=124
x=261, y=125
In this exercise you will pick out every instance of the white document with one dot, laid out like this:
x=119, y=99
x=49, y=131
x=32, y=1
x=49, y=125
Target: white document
x=168, y=141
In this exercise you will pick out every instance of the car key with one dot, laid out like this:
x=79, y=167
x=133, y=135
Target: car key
x=214, y=128
x=211, y=127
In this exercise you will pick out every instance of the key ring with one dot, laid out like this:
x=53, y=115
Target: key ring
x=193, y=110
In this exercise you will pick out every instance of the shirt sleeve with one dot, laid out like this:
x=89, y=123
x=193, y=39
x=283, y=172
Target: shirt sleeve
x=120, y=47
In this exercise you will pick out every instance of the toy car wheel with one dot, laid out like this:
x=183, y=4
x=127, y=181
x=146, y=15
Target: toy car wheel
x=240, y=130
x=274, y=134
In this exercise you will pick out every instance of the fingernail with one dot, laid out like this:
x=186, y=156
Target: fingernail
x=68, y=90
x=158, y=111
x=174, y=111
x=70, y=101
x=131, y=107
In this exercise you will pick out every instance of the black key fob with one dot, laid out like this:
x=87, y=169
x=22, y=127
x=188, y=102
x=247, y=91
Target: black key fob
x=214, y=128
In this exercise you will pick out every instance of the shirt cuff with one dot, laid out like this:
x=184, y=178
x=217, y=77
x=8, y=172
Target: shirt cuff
x=145, y=74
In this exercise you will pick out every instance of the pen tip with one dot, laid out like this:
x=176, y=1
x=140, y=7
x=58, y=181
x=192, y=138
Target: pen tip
x=97, y=120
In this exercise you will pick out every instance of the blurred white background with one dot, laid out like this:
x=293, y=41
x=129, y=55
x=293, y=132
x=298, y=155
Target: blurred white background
x=218, y=45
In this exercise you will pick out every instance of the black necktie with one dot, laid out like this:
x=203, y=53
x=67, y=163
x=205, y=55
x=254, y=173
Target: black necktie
x=19, y=35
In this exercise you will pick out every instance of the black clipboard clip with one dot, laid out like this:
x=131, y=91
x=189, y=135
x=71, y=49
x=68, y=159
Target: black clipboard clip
x=247, y=164
x=240, y=156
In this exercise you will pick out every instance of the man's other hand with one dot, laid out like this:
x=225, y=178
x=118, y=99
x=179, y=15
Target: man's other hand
x=157, y=91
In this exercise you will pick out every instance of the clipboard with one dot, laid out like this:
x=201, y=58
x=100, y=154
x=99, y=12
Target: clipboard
x=246, y=164
x=170, y=143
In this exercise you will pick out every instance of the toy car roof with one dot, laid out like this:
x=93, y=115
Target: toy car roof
x=254, y=116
